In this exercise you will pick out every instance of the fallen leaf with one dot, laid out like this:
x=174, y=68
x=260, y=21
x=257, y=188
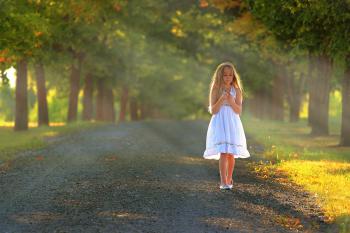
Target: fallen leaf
x=111, y=158
x=39, y=157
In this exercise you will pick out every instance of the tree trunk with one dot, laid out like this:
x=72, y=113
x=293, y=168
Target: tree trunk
x=108, y=104
x=111, y=105
x=74, y=91
x=256, y=105
x=43, y=114
x=88, y=96
x=266, y=104
x=123, y=103
x=143, y=110
x=261, y=99
x=277, y=95
x=319, y=122
x=294, y=109
x=99, y=100
x=345, y=118
x=21, y=114
x=294, y=89
x=312, y=107
x=133, y=109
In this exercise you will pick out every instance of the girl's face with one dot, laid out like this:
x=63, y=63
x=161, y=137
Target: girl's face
x=228, y=75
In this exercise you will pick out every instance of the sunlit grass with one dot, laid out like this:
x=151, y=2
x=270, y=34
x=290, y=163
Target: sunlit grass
x=317, y=163
x=329, y=180
x=12, y=141
x=284, y=140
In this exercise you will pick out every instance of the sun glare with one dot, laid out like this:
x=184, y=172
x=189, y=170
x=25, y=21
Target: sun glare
x=11, y=74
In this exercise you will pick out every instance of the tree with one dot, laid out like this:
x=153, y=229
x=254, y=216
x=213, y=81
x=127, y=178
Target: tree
x=302, y=25
x=43, y=113
x=22, y=28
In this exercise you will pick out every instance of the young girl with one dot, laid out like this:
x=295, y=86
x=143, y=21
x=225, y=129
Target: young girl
x=225, y=136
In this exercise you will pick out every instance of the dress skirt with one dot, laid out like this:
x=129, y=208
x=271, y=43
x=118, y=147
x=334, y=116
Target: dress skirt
x=225, y=135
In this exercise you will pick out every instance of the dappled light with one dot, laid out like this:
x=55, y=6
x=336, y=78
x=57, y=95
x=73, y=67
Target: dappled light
x=189, y=160
x=111, y=158
x=35, y=217
x=329, y=180
x=4, y=167
x=130, y=116
x=124, y=215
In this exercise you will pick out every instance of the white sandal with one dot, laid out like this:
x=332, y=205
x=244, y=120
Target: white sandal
x=230, y=186
x=224, y=187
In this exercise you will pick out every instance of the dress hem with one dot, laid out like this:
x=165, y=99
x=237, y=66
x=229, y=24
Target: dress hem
x=214, y=153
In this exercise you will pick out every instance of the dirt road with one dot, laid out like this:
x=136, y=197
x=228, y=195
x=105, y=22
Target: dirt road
x=147, y=176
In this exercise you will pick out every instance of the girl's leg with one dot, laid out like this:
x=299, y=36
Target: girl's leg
x=231, y=165
x=223, y=168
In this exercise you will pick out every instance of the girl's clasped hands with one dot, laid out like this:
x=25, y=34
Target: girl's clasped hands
x=228, y=97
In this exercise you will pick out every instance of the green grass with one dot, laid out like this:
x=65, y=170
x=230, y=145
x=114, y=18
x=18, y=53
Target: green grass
x=284, y=140
x=317, y=163
x=12, y=142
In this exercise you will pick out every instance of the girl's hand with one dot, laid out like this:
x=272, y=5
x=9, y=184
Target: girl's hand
x=224, y=96
x=231, y=100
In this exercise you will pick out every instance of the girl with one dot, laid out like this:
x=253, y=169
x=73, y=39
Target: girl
x=225, y=136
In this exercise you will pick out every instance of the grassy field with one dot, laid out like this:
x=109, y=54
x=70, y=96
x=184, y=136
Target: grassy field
x=317, y=163
x=12, y=141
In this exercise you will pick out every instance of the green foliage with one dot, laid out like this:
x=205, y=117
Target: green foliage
x=166, y=52
x=317, y=26
x=23, y=29
x=7, y=103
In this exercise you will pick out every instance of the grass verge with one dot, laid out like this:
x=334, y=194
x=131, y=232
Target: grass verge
x=316, y=163
x=12, y=142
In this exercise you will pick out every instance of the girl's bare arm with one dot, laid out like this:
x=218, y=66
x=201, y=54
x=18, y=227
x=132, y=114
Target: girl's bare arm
x=215, y=103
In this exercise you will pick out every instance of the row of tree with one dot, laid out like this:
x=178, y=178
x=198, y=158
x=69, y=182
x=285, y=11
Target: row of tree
x=156, y=58
x=313, y=38
x=286, y=51
x=109, y=47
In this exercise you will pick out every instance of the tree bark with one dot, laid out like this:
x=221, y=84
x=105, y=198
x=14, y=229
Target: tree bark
x=345, y=119
x=88, y=96
x=277, y=97
x=43, y=113
x=143, y=110
x=21, y=113
x=294, y=90
x=256, y=104
x=312, y=108
x=294, y=109
x=319, y=123
x=133, y=109
x=108, y=113
x=266, y=104
x=123, y=102
x=74, y=91
x=99, y=100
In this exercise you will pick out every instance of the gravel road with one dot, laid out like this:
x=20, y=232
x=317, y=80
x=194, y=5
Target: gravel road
x=145, y=176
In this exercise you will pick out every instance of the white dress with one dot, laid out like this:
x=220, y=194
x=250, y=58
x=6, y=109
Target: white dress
x=226, y=134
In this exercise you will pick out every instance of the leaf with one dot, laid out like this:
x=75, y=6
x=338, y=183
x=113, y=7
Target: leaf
x=39, y=157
